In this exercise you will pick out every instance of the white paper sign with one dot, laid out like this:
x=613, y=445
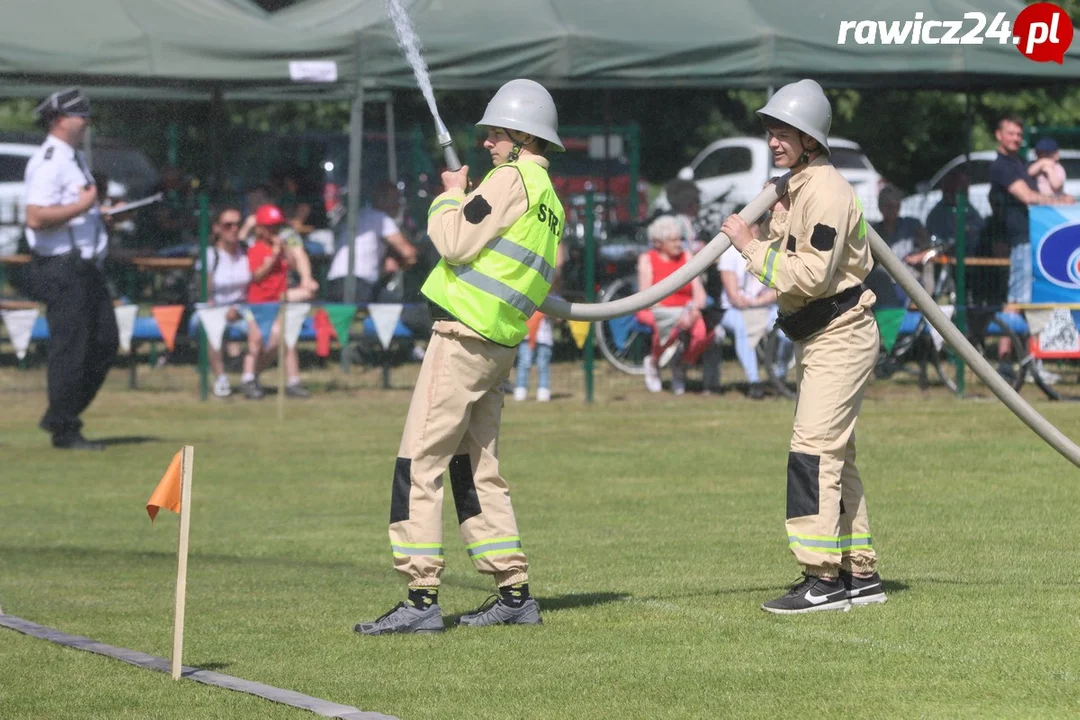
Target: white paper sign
x=20, y=326
x=314, y=71
x=125, y=323
x=385, y=318
x=1060, y=334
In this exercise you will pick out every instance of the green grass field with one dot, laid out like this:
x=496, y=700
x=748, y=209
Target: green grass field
x=654, y=526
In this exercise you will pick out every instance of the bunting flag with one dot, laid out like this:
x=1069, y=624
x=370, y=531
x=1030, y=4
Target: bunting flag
x=265, y=314
x=341, y=317
x=20, y=325
x=889, y=321
x=167, y=493
x=294, y=321
x=324, y=332
x=385, y=317
x=939, y=341
x=579, y=330
x=214, y=320
x=533, y=324
x=125, y=323
x=168, y=319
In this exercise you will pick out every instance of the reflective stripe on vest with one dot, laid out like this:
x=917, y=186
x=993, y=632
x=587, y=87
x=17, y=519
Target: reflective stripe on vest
x=510, y=277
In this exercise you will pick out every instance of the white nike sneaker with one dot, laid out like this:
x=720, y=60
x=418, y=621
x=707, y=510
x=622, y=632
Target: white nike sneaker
x=521, y=394
x=543, y=395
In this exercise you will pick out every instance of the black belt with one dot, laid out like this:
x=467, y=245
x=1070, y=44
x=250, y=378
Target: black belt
x=438, y=312
x=816, y=315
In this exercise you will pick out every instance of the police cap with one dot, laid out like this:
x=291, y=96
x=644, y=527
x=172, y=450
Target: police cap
x=70, y=101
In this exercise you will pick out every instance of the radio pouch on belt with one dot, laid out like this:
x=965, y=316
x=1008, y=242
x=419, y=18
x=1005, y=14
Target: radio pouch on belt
x=816, y=316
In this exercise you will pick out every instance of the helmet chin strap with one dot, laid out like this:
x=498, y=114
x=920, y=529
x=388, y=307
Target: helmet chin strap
x=515, y=151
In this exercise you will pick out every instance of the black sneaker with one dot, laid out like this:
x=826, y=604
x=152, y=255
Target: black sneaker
x=863, y=591
x=75, y=441
x=810, y=595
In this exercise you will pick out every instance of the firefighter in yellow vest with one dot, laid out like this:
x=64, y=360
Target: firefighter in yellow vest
x=817, y=255
x=498, y=245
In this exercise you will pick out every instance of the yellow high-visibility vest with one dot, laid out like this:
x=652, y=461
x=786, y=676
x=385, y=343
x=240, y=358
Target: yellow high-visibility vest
x=502, y=287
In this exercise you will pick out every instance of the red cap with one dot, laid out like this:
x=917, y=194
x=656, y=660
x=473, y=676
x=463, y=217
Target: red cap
x=269, y=215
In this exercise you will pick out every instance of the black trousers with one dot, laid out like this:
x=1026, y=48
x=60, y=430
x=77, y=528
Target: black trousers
x=83, y=337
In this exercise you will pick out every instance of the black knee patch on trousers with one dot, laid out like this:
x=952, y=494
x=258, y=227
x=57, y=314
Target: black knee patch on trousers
x=464, y=487
x=802, y=484
x=399, y=495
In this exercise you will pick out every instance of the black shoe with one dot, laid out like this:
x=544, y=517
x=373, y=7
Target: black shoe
x=864, y=591
x=756, y=392
x=75, y=441
x=252, y=390
x=810, y=595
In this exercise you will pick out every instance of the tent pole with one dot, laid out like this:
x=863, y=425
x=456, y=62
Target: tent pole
x=391, y=141
x=88, y=153
x=356, y=140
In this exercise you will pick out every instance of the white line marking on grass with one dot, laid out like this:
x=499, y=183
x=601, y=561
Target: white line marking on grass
x=151, y=662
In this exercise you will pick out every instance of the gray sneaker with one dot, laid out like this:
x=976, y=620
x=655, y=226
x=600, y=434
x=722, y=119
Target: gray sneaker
x=252, y=390
x=495, y=612
x=404, y=618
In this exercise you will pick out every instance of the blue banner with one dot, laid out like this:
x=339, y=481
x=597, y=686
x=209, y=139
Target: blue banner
x=1055, y=248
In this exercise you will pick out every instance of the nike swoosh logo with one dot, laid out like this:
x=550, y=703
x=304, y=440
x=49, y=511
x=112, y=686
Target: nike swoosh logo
x=818, y=599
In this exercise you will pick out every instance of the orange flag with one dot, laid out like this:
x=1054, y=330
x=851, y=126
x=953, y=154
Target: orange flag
x=167, y=493
x=168, y=321
x=533, y=324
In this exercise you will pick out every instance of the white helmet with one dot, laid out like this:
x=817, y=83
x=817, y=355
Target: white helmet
x=524, y=105
x=803, y=106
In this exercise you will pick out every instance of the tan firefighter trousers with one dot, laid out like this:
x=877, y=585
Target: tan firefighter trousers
x=827, y=523
x=453, y=423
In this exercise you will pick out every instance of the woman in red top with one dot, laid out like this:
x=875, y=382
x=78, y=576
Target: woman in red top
x=678, y=316
x=270, y=283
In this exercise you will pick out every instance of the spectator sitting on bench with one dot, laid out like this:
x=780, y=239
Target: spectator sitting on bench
x=228, y=277
x=379, y=246
x=750, y=311
x=678, y=316
x=269, y=283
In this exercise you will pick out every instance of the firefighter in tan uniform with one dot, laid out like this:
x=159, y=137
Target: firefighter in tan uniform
x=817, y=255
x=498, y=245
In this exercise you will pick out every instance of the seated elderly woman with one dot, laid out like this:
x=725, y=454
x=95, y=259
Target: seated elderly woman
x=676, y=318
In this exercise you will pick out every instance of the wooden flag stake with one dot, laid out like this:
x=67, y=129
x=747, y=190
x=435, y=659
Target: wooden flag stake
x=282, y=309
x=187, y=461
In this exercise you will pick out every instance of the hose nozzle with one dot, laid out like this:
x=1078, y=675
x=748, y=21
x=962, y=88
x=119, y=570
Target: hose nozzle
x=447, y=142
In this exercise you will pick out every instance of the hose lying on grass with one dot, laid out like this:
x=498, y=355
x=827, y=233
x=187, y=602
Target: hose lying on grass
x=882, y=254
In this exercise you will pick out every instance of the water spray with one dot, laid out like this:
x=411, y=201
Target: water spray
x=885, y=256
x=410, y=45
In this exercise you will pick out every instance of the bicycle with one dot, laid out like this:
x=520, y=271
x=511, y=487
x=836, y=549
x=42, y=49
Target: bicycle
x=987, y=325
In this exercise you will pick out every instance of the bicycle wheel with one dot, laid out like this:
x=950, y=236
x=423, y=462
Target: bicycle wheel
x=622, y=341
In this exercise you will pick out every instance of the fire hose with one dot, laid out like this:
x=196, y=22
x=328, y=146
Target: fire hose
x=883, y=255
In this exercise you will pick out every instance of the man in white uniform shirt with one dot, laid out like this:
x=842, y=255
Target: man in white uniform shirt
x=68, y=240
x=376, y=234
